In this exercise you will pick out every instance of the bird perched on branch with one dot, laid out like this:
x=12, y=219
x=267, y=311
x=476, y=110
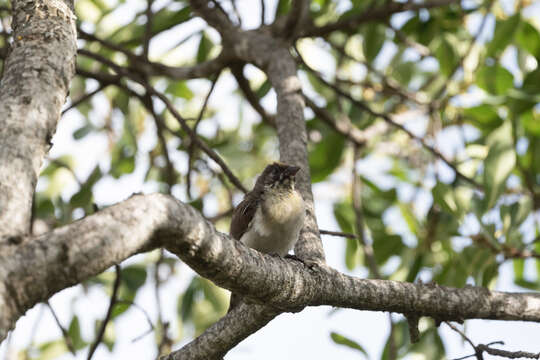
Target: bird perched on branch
x=270, y=217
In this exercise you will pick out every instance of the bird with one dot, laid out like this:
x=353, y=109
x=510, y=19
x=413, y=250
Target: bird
x=270, y=216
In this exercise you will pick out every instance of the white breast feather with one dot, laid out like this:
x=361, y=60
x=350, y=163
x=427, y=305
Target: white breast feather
x=276, y=231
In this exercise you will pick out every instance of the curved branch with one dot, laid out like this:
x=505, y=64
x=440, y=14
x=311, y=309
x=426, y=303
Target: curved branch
x=149, y=68
x=202, y=70
x=212, y=15
x=142, y=223
x=34, y=87
x=226, y=333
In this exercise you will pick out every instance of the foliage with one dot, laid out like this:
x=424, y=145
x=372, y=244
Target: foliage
x=454, y=218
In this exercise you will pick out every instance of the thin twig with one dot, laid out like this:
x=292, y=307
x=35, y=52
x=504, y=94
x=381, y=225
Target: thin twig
x=342, y=126
x=170, y=177
x=191, y=146
x=148, y=29
x=263, y=12
x=251, y=97
x=236, y=13
x=388, y=83
x=461, y=61
x=203, y=146
x=486, y=348
x=391, y=122
x=337, y=233
x=183, y=124
x=112, y=302
x=164, y=341
x=67, y=339
x=83, y=98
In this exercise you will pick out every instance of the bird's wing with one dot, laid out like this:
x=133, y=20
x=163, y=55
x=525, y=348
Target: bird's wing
x=242, y=216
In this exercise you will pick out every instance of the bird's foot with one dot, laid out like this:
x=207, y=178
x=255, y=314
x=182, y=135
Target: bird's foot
x=307, y=263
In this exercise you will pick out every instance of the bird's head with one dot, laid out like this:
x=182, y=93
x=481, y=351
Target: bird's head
x=278, y=176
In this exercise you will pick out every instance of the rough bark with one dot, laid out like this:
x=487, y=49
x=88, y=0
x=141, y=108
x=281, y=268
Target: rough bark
x=36, y=79
x=46, y=264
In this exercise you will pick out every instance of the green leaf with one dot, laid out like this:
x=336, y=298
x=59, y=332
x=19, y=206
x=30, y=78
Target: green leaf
x=133, y=277
x=528, y=38
x=74, y=333
x=495, y=79
x=214, y=295
x=180, y=89
x=409, y=217
x=403, y=72
x=82, y=198
x=414, y=269
x=342, y=340
x=484, y=117
x=283, y=7
x=531, y=82
x=125, y=165
x=504, y=34
x=82, y=131
x=447, y=56
x=263, y=89
x=519, y=211
x=185, y=303
x=352, y=253
x=52, y=349
x=385, y=246
x=165, y=19
x=374, y=37
x=344, y=214
x=205, y=46
x=499, y=163
x=443, y=196
x=43, y=206
x=131, y=34
x=531, y=123
x=325, y=156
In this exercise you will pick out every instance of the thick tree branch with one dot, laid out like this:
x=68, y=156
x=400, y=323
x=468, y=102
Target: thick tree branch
x=292, y=136
x=297, y=18
x=226, y=333
x=34, y=87
x=37, y=269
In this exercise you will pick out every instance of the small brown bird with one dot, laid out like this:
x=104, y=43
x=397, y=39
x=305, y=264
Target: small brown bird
x=270, y=217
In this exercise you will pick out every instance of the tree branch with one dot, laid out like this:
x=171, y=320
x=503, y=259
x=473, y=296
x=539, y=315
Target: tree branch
x=112, y=303
x=34, y=86
x=142, y=223
x=212, y=15
x=251, y=97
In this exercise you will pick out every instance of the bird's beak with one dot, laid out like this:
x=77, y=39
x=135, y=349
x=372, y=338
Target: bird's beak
x=292, y=170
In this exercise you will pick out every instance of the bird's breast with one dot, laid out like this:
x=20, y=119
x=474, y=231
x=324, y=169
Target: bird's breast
x=276, y=224
x=283, y=208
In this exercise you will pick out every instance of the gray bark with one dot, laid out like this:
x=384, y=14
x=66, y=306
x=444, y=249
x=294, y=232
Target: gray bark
x=46, y=264
x=36, y=79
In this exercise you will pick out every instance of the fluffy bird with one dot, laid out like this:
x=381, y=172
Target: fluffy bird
x=270, y=217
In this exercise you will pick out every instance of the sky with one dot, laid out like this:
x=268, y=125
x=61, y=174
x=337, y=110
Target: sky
x=290, y=336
